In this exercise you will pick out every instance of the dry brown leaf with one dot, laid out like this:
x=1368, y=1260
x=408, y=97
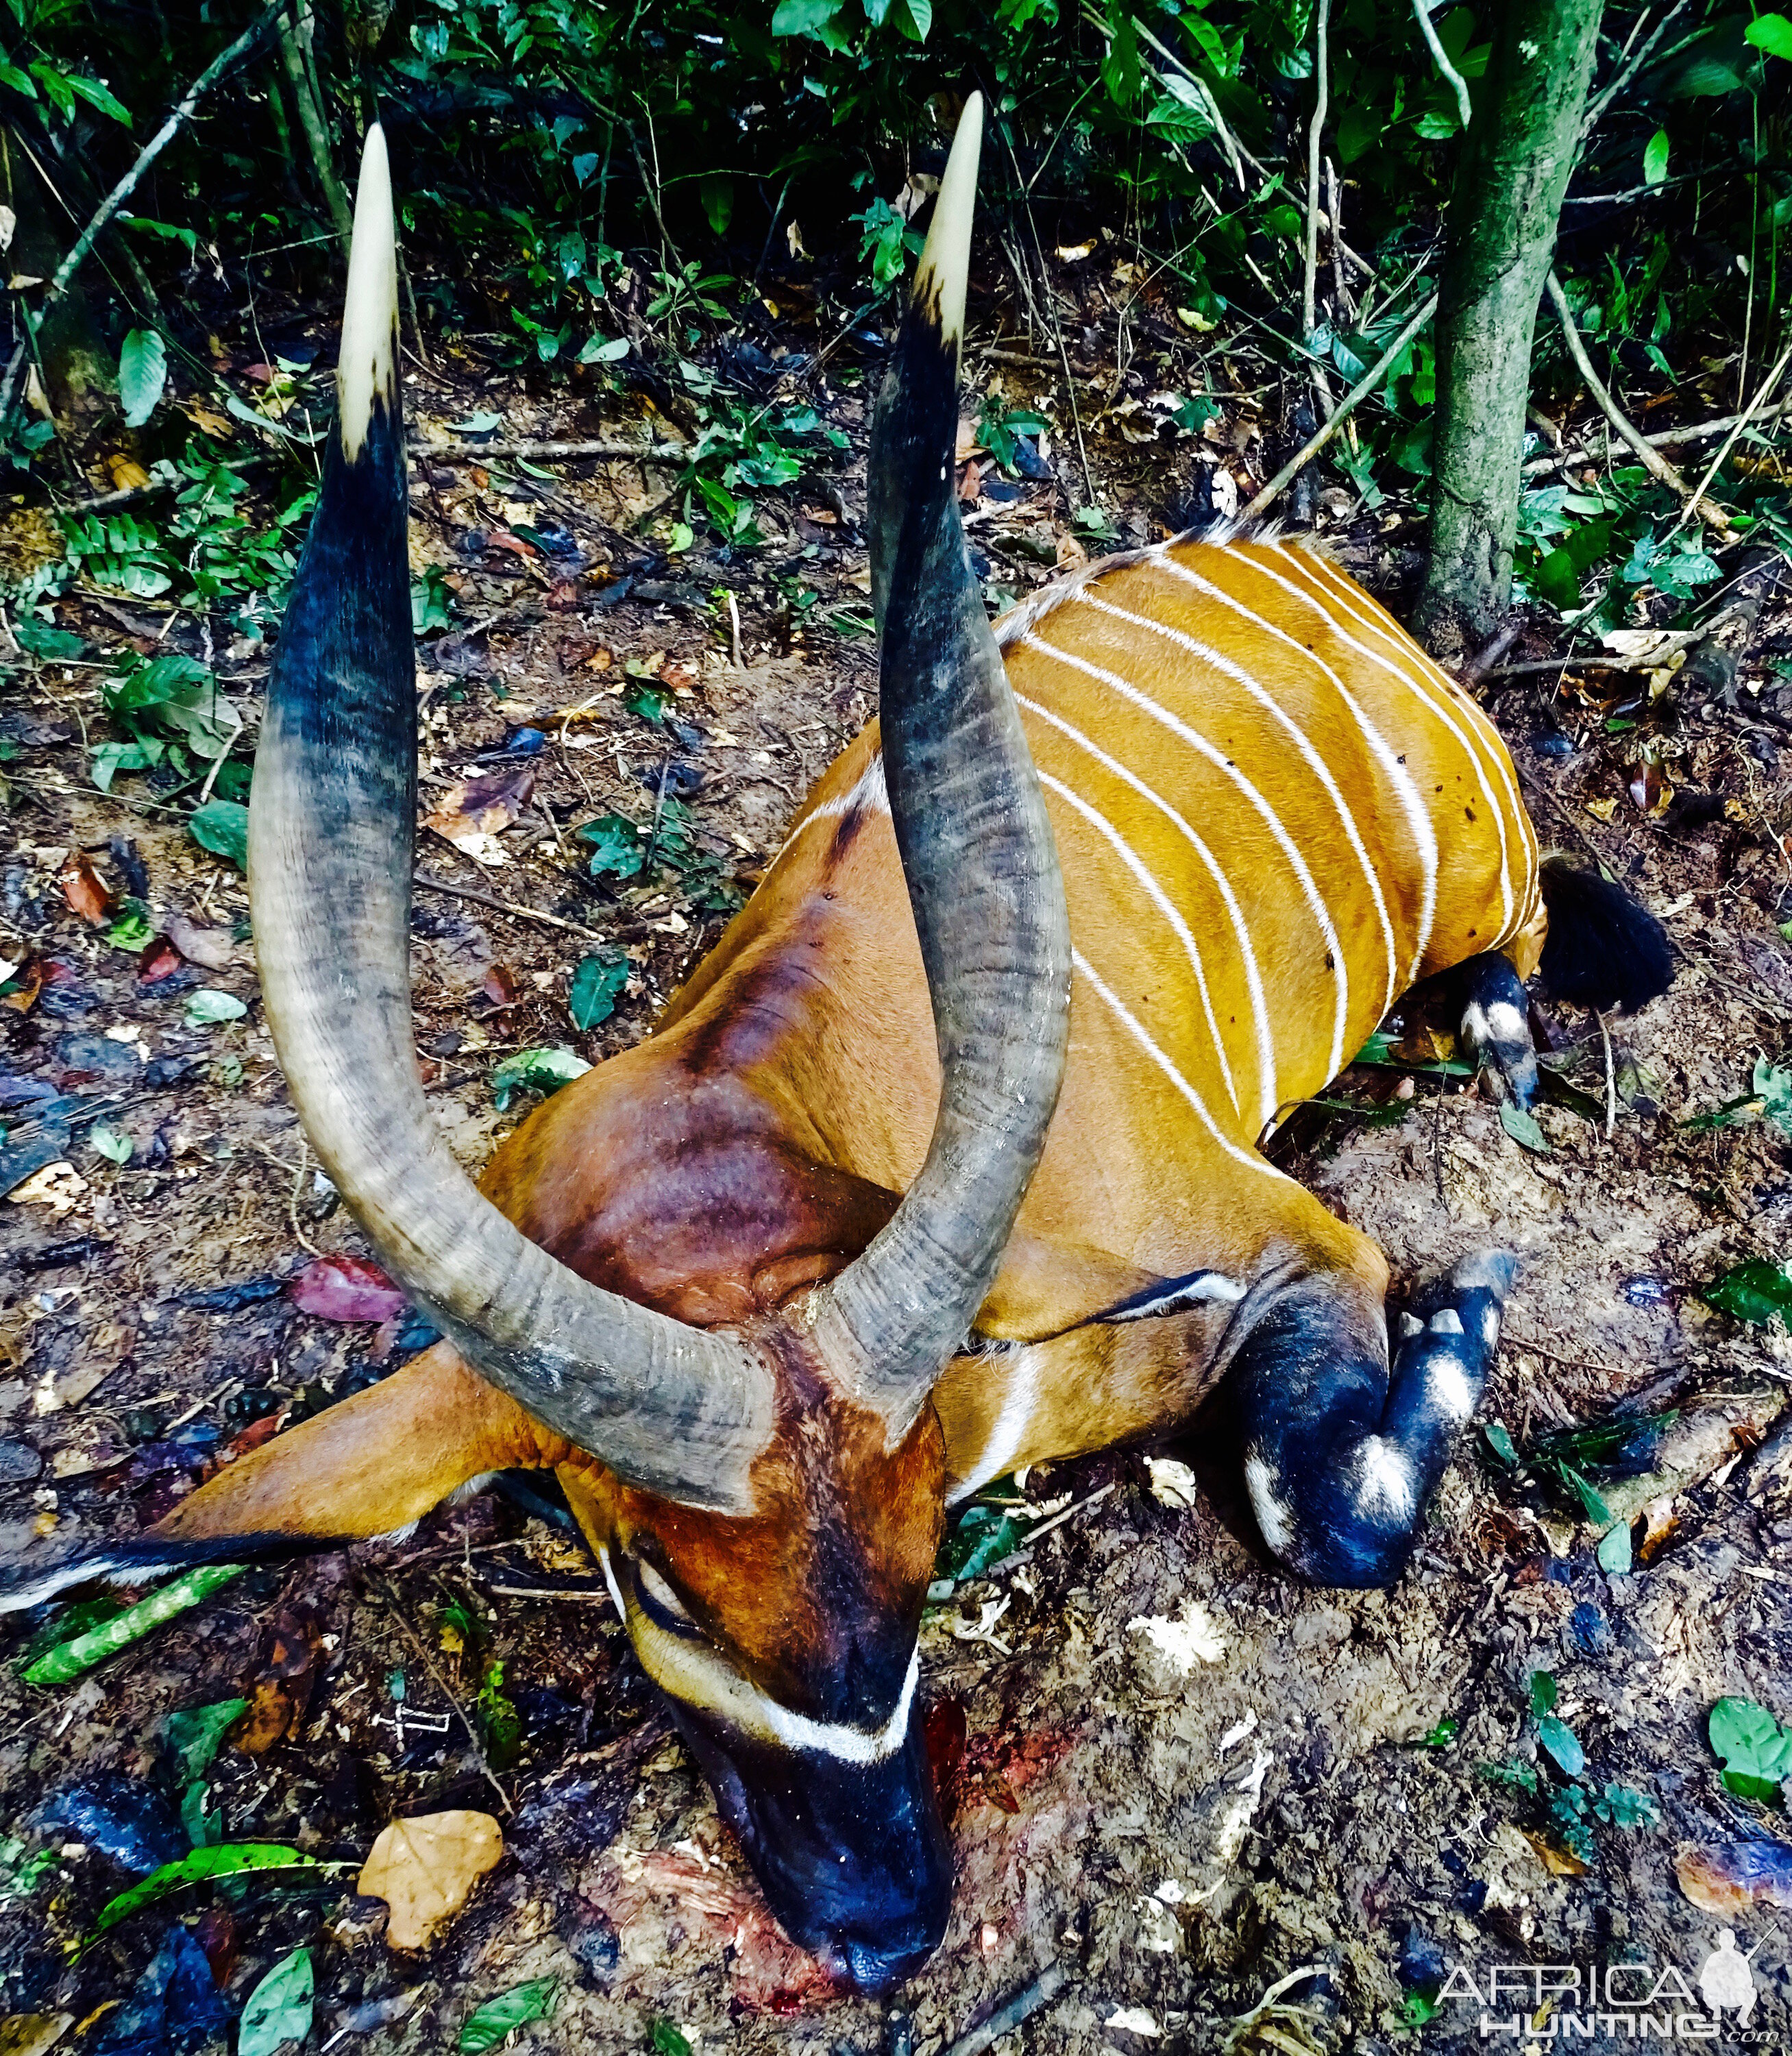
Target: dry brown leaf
x=1731, y=1878
x=473, y=811
x=213, y=949
x=269, y=1719
x=84, y=889
x=128, y=475
x=424, y=1868
x=57, y=1186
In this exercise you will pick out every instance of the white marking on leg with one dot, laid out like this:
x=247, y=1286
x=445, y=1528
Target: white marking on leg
x=1410, y=1325
x=1383, y=1486
x=1448, y=1386
x=1446, y=1321
x=610, y=1579
x=1489, y=1329
x=1248, y=1157
x=1269, y=1097
x=1332, y=583
x=1206, y=1287
x=1275, y=1516
x=1284, y=842
x=1507, y=1023
x=1479, y=1028
x=1204, y=653
x=1418, y=815
x=1161, y=901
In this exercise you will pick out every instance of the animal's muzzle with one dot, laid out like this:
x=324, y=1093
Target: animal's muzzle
x=852, y=1857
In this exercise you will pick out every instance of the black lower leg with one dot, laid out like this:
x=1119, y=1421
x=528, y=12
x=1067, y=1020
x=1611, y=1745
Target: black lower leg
x=1341, y=1455
x=1496, y=1027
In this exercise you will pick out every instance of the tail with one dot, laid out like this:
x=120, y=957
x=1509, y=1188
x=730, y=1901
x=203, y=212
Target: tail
x=1604, y=948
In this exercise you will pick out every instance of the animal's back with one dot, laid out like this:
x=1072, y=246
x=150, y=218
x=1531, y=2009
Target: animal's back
x=1275, y=814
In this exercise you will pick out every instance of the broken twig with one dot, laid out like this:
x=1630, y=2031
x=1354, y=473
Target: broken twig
x=1044, y=1988
x=1345, y=407
x=465, y=452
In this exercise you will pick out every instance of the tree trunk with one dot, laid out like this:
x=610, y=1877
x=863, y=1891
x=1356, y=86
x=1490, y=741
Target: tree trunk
x=1516, y=160
x=311, y=122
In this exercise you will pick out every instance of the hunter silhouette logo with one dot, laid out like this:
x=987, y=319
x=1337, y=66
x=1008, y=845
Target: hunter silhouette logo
x=1725, y=1979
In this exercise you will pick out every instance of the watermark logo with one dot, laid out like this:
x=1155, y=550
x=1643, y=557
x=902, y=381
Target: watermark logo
x=1527, y=2003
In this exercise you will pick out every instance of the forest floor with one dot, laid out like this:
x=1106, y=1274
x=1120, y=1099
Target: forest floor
x=1183, y=1775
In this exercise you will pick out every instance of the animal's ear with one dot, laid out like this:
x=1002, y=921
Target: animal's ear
x=1044, y=1288
x=375, y=1464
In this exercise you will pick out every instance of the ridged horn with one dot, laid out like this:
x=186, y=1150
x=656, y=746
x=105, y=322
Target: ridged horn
x=977, y=852
x=332, y=824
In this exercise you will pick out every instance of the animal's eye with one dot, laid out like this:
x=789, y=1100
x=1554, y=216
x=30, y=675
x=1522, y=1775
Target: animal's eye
x=661, y=1604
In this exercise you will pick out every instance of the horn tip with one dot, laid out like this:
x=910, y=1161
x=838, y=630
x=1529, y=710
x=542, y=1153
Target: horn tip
x=367, y=366
x=941, y=275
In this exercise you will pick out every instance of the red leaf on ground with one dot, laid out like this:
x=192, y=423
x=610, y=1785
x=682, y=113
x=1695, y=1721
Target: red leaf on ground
x=500, y=986
x=217, y=1936
x=345, y=1288
x=258, y=1432
x=84, y=890
x=159, y=960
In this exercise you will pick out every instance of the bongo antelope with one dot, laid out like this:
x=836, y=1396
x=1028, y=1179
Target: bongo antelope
x=945, y=1159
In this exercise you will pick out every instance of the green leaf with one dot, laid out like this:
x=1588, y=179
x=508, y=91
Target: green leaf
x=1756, y=1751
x=171, y=231
x=1559, y=1739
x=222, y=827
x=1557, y=579
x=617, y=844
x=1771, y=33
x=1442, y=1736
x=597, y=350
x=1416, y=2009
x=500, y=1729
x=69, y=1659
x=1593, y=1506
x=516, y=2008
x=195, y=1733
x=142, y=375
x=1543, y=1692
x=596, y=984
x=197, y=1867
x=1521, y=1126
x=204, y=1824
x=803, y=17
x=278, y=2009
x=1501, y=1443
x=664, y=2039
x=19, y=80
x=650, y=702
x=1655, y=159
x=1773, y=1087
x=97, y=93
x=544, y=1071
x=110, y=1144
x=56, y=87
x=206, y=1008
x=40, y=640
x=1757, y=1292
x=1614, y=1550
x=131, y=930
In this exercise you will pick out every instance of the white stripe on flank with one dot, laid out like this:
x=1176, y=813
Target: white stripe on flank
x=1318, y=570
x=1204, y=653
x=1492, y=744
x=1128, y=856
x=1418, y=815
x=1268, y=1097
x=1140, y=1034
x=1315, y=904
x=840, y=1739
x=1002, y=1443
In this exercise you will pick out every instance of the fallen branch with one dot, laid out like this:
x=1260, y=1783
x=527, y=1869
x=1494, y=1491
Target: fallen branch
x=1694, y=432
x=226, y=61
x=434, y=884
x=127, y=495
x=1321, y=101
x=1345, y=407
x=463, y=452
x=1651, y=458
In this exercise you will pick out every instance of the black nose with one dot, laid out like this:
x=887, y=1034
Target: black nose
x=852, y=1857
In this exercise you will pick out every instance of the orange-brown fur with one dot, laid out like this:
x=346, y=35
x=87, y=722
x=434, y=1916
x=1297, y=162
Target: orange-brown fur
x=757, y=1140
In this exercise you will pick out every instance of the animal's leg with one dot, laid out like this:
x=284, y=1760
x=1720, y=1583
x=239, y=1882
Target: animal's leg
x=1340, y=1456
x=1495, y=1029
x=373, y=1464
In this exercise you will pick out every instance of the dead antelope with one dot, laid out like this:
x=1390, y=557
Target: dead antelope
x=764, y=1291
